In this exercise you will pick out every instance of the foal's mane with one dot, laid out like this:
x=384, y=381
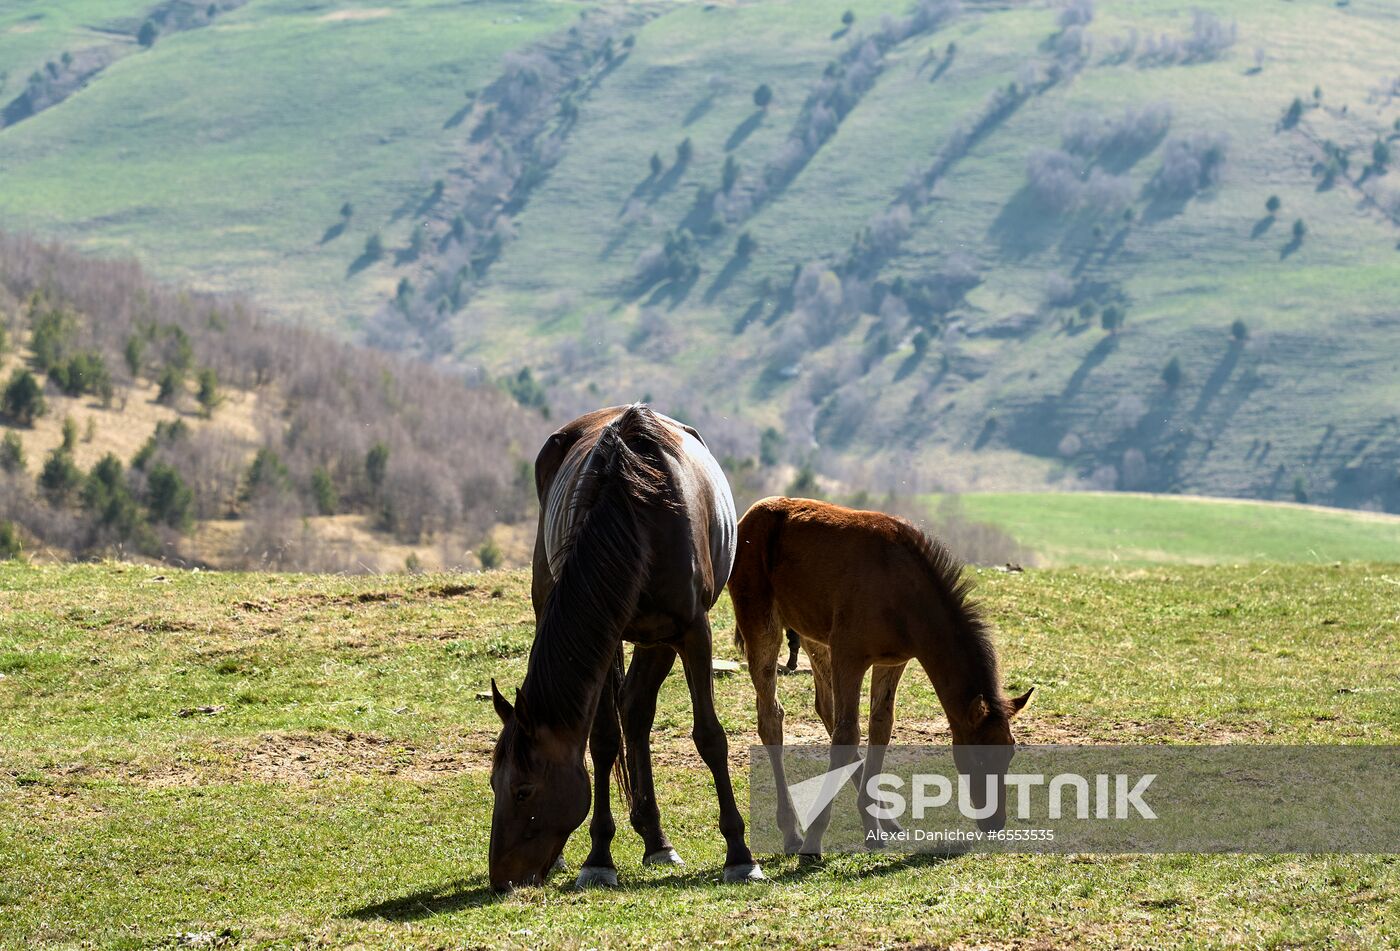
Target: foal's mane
x=954, y=587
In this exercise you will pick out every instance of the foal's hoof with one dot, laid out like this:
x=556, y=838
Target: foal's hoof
x=595, y=876
x=663, y=857
x=748, y=872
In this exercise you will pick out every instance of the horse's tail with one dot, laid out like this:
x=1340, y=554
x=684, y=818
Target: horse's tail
x=608, y=558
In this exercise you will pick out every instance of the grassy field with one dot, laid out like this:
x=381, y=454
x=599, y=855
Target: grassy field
x=1102, y=528
x=336, y=793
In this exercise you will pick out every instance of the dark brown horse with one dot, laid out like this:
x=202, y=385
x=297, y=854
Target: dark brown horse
x=863, y=590
x=636, y=539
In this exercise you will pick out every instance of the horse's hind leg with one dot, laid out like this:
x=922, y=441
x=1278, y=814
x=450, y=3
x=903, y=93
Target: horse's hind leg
x=697, y=652
x=647, y=672
x=760, y=633
x=603, y=742
x=820, y=656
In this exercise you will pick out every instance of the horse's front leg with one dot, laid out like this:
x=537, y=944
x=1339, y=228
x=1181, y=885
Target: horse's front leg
x=603, y=743
x=696, y=655
x=647, y=672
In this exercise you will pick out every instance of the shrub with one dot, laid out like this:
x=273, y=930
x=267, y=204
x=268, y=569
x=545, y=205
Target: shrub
x=1190, y=165
x=323, y=491
x=1300, y=490
x=848, y=17
x=84, y=372
x=70, y=434
x=770, y=443
x=347, y=211
x=1273, y=205
x=52, y=336
x=169, y=500
x=106, y=495
x=527, y=390
x=1171, y=373
x=1111, y=318
x=60, y=477
x=762, y=96
x=134, y=354
x=377, y=466
x=1238, y=330
x=685, y=151
x=1300, y=230
x=11, y=453
x=208, y=395
x=804, y=485
x=1293, y=114
x=1380, y=154
x=1076, y=13
x=148, y=34
x=490, y=555
x=172, y=384
x=267, y=475
x=745, y=246
x=11, y=547
x=656, y=164
x=23, y=400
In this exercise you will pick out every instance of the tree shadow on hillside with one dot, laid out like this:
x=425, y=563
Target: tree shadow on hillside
x=360, y=263
x=664, y=183
x=726, y=277
x=1098, y=354
x=748, y=316
x=699, y=110
x=1217, y=379
x=1023, y=227
x=1290, y=248
x=333, y=232
x=1261, y=226
x=743, y=130
x=458, y=117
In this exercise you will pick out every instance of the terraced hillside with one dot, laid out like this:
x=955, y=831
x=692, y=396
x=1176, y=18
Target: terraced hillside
x=940, y=246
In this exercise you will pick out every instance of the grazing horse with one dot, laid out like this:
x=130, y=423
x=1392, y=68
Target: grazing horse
x=863, y=590
x=635, y=541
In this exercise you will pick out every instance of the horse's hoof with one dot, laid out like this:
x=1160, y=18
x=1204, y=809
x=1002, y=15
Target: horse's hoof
x=595, y=876
x=663, y=857
x=748, y=872
x=559, y=865
x=809, y=858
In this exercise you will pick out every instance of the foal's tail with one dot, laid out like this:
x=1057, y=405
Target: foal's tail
x=749, y=583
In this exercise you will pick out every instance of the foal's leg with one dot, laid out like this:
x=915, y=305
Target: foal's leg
x=846, y=680
x=648, y=671
x=762, y=640
x=820, y=655
x=603, y=742
x=884, y=683
x=696, y=654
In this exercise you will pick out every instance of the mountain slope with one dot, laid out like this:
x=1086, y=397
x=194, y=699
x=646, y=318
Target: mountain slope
x=942, y=202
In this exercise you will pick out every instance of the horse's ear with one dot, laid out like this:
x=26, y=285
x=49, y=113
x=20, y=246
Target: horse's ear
x=977, y=711
x=503, y=708
x=1019, y=703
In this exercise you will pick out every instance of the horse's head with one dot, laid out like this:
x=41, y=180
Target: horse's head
x=542, y=796
x=983, y=747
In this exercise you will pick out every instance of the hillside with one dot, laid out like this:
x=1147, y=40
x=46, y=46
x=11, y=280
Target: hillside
x=989, y=246
x=144, y=422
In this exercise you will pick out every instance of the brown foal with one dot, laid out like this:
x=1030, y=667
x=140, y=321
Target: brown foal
x=863, y=590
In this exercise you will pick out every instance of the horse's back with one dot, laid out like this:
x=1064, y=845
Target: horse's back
x=826, y=566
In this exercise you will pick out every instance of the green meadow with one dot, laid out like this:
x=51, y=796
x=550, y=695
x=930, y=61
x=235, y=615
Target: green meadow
x=269, y=761
x=1106, y=528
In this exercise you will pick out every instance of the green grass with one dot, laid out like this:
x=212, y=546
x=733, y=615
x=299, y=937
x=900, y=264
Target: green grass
x=1100, y=528
x=339, y=794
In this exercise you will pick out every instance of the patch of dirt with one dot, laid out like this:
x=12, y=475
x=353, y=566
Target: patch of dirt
x=369, y=13
x=307, y=757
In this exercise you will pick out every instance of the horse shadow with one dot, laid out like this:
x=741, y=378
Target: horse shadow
x=428, y=902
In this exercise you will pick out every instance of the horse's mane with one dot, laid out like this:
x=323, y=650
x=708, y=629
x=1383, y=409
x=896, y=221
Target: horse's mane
x=954, y=587
x=603, y=566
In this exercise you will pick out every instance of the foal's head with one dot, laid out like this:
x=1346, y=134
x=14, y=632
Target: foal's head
x=983, y=747
x=542, y=796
